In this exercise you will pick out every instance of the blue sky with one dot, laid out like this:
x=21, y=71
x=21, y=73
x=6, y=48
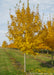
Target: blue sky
x=45, y=6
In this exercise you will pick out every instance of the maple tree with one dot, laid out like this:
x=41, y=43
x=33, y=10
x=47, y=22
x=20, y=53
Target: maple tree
x=47, y=36
x=23, y=28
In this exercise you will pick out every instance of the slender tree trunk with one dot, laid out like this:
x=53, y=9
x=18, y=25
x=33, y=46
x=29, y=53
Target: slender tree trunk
x=24, y=62
x=42, y=51
x=52, y=58
x=47, y=51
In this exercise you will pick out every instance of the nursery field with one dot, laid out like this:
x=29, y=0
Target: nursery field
x=12, y=63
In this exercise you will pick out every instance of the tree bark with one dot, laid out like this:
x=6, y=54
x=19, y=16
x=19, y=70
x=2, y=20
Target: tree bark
x=24, y=62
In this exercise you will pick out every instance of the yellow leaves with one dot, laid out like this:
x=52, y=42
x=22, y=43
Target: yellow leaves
x=47, y=36
x=27, y=42
x=45, y=27
x=36, y=18
x=23, y=28
x=13, y=24
x=23, y=48
x=28, y=51
x=18, y=11
x=49, y=23
x=4, y=44
x=36, y=53
x=11, y=16
x=12, y=45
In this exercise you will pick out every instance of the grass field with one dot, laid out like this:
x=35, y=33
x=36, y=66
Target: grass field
x=11, y=63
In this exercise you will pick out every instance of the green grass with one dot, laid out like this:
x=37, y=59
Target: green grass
x=12, y=63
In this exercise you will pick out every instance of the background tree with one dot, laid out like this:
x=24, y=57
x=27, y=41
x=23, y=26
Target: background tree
x=50, y=36
x=4, y=44
x=47, y=36
x=11, y=45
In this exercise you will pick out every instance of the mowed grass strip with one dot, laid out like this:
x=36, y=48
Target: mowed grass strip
x=6, y=66
x=32, y=64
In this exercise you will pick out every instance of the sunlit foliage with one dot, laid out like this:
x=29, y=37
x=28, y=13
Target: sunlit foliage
x=24, y=27
x=4, y=44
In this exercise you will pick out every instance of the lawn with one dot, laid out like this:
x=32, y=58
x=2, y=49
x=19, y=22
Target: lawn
x=11, y=63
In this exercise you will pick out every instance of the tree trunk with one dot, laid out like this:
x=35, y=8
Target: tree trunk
x=42, y=51
x=52, y=58
x=47, y=51
x=24, y=62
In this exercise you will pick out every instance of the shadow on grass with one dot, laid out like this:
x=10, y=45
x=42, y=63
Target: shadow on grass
x=47, y=64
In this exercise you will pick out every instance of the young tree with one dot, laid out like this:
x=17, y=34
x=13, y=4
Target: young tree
x=24, y=27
